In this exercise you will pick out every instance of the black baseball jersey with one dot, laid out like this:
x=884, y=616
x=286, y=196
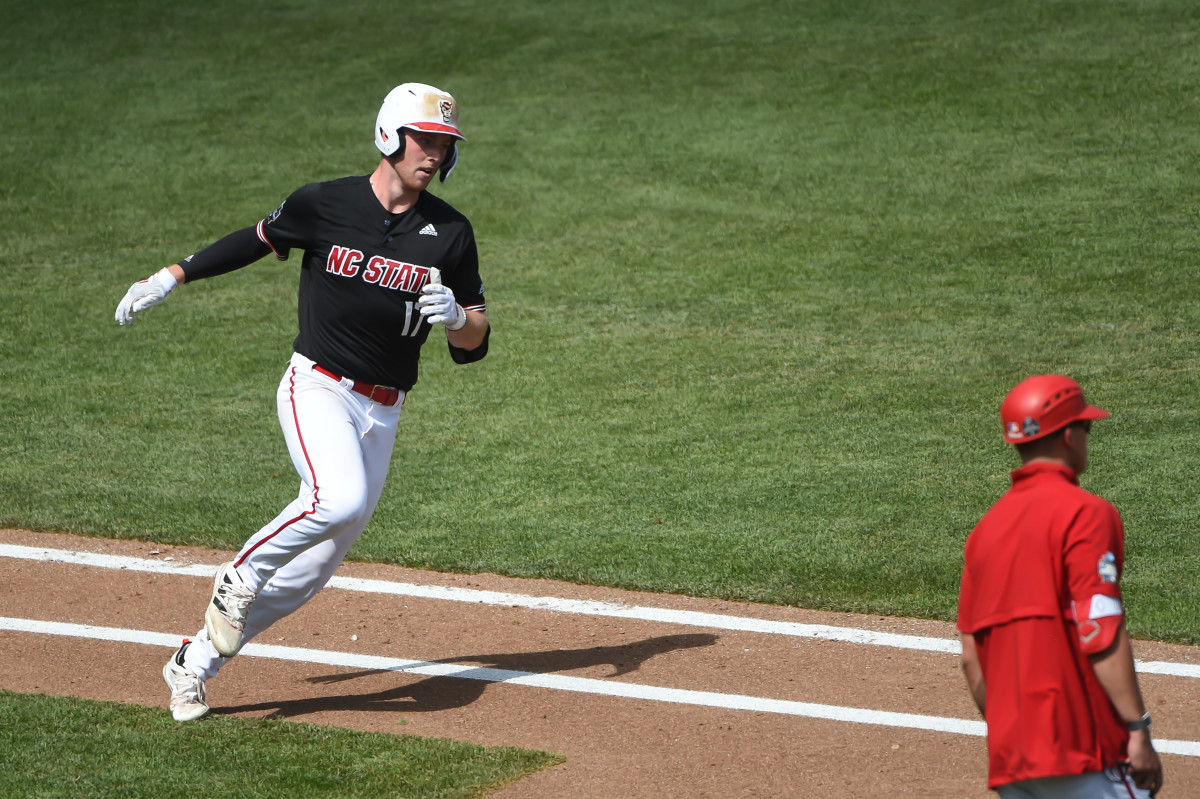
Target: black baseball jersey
x=363, y=270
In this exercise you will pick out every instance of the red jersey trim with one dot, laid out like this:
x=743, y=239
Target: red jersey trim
x=260, y=230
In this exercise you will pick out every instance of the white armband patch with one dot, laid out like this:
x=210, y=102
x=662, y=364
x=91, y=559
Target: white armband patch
x=1100, y=606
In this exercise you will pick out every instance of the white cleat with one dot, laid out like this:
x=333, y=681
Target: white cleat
x=187, y=689
x=225, y=619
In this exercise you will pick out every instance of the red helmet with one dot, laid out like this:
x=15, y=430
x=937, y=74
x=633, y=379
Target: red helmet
x=1041, y=405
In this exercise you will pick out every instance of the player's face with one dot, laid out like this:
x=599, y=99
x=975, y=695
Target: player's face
x=424, y=153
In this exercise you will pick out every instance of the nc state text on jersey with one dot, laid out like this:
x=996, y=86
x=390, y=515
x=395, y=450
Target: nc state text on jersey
x=385, y=272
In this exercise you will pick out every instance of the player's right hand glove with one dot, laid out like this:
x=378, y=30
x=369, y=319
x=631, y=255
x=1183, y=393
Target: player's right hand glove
x=145, y=293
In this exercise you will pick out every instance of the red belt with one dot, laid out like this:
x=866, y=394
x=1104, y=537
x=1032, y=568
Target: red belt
x=384, y=395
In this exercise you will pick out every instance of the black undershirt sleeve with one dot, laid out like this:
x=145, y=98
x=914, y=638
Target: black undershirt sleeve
x=238, y=249
x=459, y=355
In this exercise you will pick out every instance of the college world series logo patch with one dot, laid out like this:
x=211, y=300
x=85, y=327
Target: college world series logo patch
x=1107, y=568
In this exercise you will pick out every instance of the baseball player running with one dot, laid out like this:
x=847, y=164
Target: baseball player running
x=1044, y=647
x=384, y=260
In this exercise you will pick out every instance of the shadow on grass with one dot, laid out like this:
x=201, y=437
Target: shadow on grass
x=445, y=693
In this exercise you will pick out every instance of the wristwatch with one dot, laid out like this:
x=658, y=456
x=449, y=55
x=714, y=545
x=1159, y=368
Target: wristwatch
x=1141, y=724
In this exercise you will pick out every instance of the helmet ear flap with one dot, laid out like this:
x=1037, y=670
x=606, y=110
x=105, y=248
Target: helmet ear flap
x=450, y=163
x=389, y=143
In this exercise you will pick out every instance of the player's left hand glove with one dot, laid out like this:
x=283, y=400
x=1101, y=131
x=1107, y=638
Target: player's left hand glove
x=438, y=306
x=145, y=293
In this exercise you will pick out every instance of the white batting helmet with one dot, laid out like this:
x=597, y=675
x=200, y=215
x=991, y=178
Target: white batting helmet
x=419, y=107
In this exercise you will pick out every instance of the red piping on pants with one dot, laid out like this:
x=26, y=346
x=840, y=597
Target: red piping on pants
x=311, y=471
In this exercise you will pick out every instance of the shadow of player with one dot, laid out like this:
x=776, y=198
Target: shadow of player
x=449, y=692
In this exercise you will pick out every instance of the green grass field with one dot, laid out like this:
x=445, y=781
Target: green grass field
x=759, y=277
x=71, y=747
x=759, y=274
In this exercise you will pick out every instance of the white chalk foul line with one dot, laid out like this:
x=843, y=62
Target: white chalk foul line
x=689, y=618
x=555, y=682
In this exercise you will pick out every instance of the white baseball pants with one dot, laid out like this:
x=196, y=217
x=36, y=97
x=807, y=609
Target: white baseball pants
x=1108, y=784
x=341, y=445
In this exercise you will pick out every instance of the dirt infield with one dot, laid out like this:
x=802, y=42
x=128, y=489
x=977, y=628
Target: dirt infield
x=615, y=746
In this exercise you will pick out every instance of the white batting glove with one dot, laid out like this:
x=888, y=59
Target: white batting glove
x=438, y=306
x=145, y=293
